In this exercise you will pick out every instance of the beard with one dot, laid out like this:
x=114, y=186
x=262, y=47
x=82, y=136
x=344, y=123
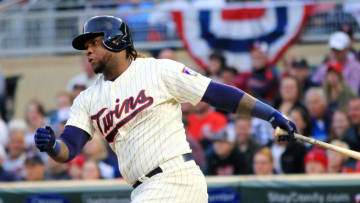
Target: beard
x=103, y=64
x=100, y=67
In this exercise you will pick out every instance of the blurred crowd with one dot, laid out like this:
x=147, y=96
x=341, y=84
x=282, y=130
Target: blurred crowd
x=323, y=101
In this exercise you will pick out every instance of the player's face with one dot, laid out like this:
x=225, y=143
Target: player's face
x=97, y=55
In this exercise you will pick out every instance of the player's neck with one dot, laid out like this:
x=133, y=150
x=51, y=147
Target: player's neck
x=117, y=69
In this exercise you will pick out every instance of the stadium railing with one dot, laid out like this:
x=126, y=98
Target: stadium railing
x=47, y=29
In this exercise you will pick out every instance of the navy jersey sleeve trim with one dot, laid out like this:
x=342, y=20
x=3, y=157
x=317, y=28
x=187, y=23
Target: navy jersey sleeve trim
x=223, y=96
x=75, y=139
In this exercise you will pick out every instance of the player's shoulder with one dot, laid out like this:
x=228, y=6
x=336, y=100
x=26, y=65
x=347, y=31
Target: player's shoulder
x=156, y=61
x=169, y=62
x=157, y=65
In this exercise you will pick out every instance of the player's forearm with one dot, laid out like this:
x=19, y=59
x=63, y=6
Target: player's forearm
x=63, y=152
x=250, y=106
x=237, y=101
x=69, y=144
x=72, y=141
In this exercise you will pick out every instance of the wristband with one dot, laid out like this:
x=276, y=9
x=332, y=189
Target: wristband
x=262, y=110
x=55, y=150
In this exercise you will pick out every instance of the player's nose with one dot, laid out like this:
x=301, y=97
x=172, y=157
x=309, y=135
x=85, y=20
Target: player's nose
x=88, y=51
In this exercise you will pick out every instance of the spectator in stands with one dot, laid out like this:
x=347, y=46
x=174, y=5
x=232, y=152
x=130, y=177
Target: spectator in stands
x=91, y=170
x=287, y=64
x=337, y=92
x=338, y=163
x=76, y=89
x=96, y=150
x=316, y=105
x=4, y=134
x=217, y=63
x=75, y=167
x=5, y=175
x=301, y=71
x=195, y=146
x=228, y=75
x=288, y=156
x=339, y=43
x=167, y=53
x=262, y=132
x=340, y=123
x=62, y=117
x=245, y=143
x=225, y=159
x=302, y=120
x=262, y=81
x=204, y=122
x=187, y=109
x=2, y=96
x=289, y=95
x=347, y=28
x=56, y=171
x=316, y=161
x=35, y=168
x=63, y=101
x=35, y=118
x=15, y=159
x=86, y=78
x=352, y=134
x=263, y=162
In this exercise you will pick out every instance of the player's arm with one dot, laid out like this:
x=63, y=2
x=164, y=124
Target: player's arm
x=66, y=147
x=237, y=101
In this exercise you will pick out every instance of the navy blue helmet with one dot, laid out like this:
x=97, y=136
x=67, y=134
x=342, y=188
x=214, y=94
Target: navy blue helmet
x=116, y=33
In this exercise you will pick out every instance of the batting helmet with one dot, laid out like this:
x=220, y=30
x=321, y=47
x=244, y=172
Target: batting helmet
x=116, y=33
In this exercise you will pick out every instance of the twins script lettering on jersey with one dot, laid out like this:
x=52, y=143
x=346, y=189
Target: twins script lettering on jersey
x=136, y=106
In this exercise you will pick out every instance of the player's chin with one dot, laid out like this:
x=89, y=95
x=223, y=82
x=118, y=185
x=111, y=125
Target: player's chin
x=98, y=69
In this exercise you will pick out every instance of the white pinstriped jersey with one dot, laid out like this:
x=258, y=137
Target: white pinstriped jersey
x=139, y=113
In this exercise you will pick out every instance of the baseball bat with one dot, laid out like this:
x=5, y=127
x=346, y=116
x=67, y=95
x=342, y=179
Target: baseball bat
x=347, y=152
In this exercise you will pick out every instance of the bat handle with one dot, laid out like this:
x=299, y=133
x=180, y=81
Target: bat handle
x=347, y=152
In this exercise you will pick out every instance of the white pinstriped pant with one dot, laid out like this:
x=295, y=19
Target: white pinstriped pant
x=179, y=182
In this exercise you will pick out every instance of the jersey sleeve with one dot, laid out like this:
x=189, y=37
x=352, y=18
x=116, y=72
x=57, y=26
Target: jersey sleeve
x=184, y=84
x=80, y=114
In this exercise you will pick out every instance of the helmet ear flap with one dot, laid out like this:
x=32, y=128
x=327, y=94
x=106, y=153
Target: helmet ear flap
x=116, y=43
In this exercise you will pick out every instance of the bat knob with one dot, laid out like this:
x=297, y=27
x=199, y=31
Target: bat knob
x=279, y=132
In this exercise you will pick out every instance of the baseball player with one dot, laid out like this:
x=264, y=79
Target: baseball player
x=135, y=105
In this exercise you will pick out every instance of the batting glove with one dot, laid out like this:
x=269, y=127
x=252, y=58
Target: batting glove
x=45, y=139
x=278, y=120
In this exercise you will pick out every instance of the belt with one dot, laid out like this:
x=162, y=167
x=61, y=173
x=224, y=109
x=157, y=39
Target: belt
x=186, y=157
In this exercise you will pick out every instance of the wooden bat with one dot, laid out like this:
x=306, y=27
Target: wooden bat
x=347, y=152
